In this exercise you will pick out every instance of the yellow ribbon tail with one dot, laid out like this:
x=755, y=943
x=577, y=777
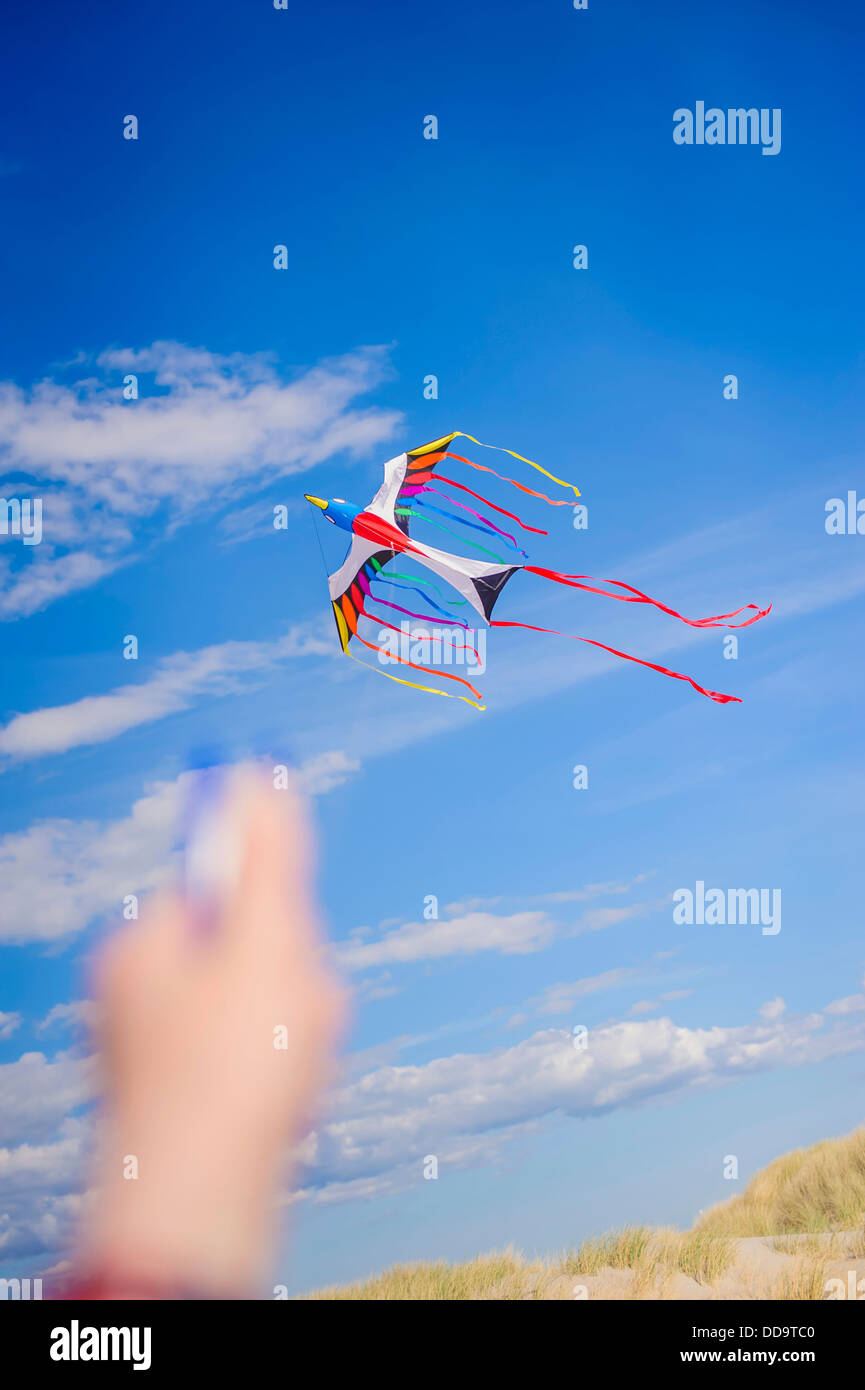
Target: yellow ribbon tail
x=561, y=481
x=429, y=689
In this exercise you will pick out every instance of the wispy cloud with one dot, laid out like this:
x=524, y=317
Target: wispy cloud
x=215, y=670
x=560, y=998
x=852, y=1004
x=80, y=1013
x=326, y=771
x=468, y=933
x=517, y=934
x=651, y=1006
x=565, y=895
x=467, y=1108
x=59, y=875
x=206, y=428
x=394, y=1115
x=254, y=521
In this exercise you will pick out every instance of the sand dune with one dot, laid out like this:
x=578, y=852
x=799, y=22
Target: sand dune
x=797, y=1232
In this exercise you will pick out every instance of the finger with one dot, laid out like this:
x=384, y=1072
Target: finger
x=273, y=893
x=134, y=966
x=142, y=946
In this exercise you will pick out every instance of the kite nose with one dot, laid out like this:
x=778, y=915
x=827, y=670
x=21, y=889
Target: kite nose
x=316, y=501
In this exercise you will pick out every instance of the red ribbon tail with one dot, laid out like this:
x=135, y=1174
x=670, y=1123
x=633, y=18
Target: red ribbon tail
x=637, y=596
x=486, y=501
x=664, y=670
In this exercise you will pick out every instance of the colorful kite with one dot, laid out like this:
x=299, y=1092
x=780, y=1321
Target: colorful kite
x=382, y=531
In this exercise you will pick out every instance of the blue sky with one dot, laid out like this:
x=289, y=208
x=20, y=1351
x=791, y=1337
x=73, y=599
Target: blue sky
x=453, y=257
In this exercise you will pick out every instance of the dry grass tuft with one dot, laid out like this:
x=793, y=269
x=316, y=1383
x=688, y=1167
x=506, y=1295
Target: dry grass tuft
x=618, y=1249
x=704, y=1257
x=437, y=1280
x=805, y=1283
x=816, y=1189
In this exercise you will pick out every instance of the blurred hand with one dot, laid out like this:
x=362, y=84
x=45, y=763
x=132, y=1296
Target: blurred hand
x=216, y=1044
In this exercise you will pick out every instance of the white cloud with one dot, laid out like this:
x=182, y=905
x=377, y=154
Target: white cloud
x=853, y=1004
x=47, y=577
x=594, y=890
x=560, y=998
x=568, y=895
x=254, y=521
x=214, y=670
x=518, y=934
x=643, y=1006
x=391, y=1117
x=650, y=1006
x=49, y=1165
x=467, y=1108
x=325, y=771
x=79, y=1013
x=462, y=1152
x=377, y=987
x=41, y=1185
x=8, y=1023
x=600, y=918
x=773, y=1008
x=58, y=875
x=209, y=429
x=471, y=931
x=36, y=1094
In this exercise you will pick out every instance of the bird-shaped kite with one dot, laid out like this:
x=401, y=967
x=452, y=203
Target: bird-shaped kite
x=381, y=531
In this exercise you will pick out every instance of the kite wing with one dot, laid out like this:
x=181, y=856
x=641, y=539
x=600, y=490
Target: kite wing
x=404, y=477
x=348, y=583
